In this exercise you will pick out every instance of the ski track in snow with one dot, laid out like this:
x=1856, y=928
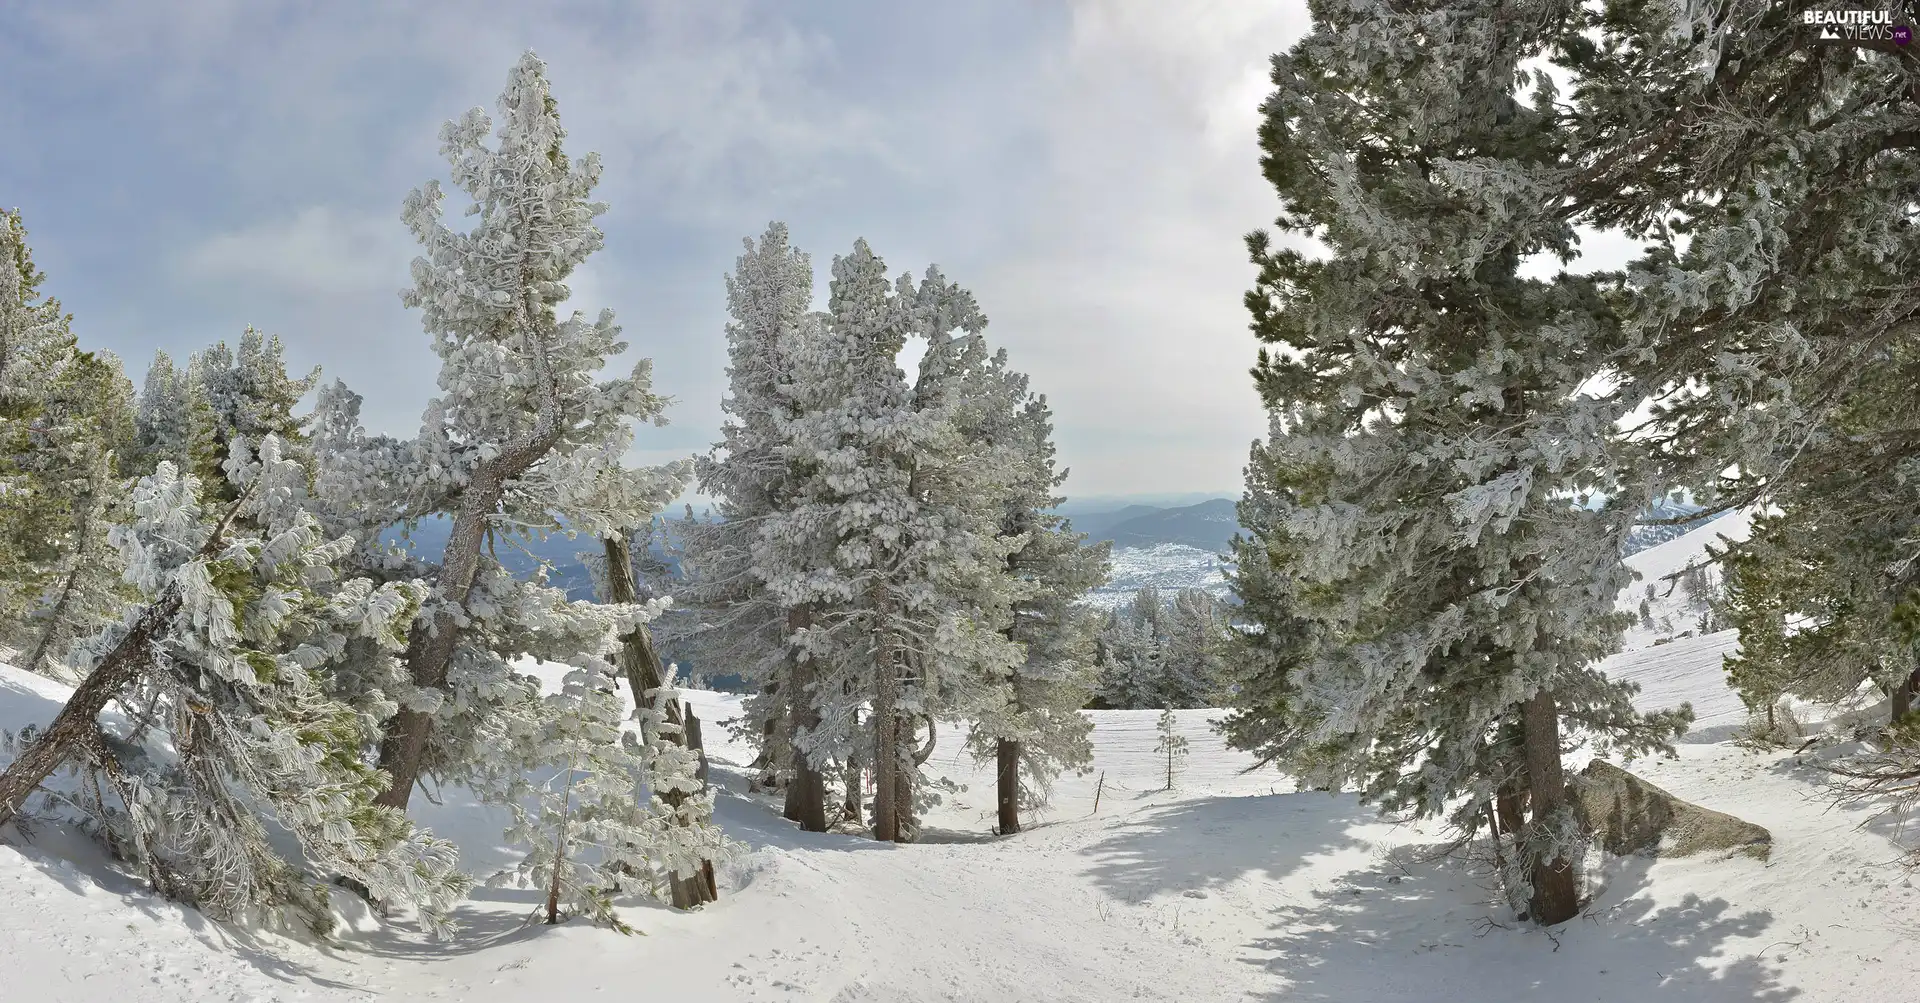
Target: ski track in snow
x=1229, y=887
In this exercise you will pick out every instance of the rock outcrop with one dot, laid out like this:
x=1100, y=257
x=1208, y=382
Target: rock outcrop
x=1628, y=815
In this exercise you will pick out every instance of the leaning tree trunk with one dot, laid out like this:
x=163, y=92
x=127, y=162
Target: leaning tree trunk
x=807, y=790
x=73, y=728
x=644, y=672
x=430, y=645
x=76, y=726
x=59, y=612
x=1007, y=776
x=1556, y=896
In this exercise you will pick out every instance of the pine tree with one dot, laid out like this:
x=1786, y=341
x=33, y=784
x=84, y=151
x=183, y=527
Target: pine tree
x=1035, y=729
x=1165, y=652
x=1437, y=427
x=730, y=564
x=34, y=333
x=65, y=428
x=1197, y=646
x=161, y=420
x=522, y=439
x=1170, y=743
x=226, y=652
x=78, y=443
x=1266, y=657
x=892, y=496
x=1818, y=588
x=604, y=813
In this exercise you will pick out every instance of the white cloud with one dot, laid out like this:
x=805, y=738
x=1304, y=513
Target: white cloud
x=318, y=252
x=1087, y=170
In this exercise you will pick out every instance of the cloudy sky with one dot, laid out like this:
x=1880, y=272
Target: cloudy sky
x=1088, y=168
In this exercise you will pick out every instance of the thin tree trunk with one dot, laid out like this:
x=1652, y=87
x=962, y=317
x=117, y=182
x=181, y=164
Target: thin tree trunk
x=1556, y=896
x=1007, y=756
x=855, y=773
x=886, y=728
x=768, y=761
x=807, y=791
x=691, y=728
x=83, y=528
x=560, y=852
x=59, y=613
x=644, y=672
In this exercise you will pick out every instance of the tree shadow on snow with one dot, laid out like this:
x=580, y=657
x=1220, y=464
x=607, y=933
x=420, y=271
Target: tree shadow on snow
x=1427, y=931
x=1205, y=843
x=84, y=868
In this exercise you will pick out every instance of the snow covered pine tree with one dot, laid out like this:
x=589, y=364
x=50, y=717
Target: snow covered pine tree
x=522, y=438
x=1439, y=436
x=241, y=620
x=1032, y=727
x=731, y=560
x=65, y=432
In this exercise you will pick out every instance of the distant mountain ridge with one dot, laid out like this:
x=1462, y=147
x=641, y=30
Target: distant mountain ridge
x=1209, y=526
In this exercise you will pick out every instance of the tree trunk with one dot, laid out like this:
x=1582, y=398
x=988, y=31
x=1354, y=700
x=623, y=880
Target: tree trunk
x=78, y=724
x=1007, y=754
x=807, y=791
x=697, y=744
x=430, y=646
x=886, y=730
x=1509, y=806
x=74, y=727
x=1903, y=694
x=769, y=760
x=560, y=853
x=903, y=775
x=855, y=773
x=1556, y=896
x=83, y=529
x=644, y=672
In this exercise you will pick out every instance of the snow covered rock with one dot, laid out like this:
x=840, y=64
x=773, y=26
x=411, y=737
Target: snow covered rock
x=1628, y=815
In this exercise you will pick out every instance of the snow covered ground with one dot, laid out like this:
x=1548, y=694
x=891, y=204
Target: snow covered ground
x=1228, y=887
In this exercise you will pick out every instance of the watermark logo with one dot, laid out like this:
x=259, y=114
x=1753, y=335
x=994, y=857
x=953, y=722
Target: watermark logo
x=1855, y=27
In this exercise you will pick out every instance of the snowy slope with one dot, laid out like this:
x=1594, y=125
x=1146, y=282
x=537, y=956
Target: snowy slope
x=1229, y=887
x=1218, y=890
